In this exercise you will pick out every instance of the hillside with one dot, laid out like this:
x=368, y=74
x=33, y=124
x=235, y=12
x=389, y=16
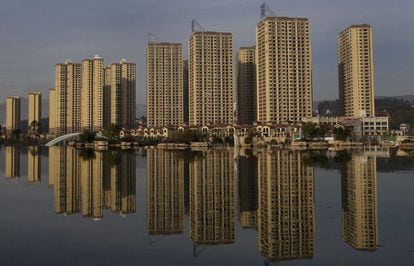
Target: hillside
x=400, y=109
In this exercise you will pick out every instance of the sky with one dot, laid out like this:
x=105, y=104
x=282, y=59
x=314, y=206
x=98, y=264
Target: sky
x=35, y=35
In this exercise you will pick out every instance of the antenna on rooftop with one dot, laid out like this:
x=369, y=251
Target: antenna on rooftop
x=195, y=26
x=266, y=11
x=152, y=38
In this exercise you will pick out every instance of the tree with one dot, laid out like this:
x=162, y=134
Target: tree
x=309, y=131
x=341, y=133
x=87, y=136
x=34, y=127
x=111, y=131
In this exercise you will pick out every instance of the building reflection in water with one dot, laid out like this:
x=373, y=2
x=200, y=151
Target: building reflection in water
x=212, y=197
x=165, y=192
x=248, y=190
x=286, y=206
x=33, y=164
x=359, y=202
x=12, y=162
x=64, y=163
x=120, y=185
x=87, y=181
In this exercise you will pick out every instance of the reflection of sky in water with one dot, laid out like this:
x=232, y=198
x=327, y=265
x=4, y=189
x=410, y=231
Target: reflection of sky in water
x=179, y=208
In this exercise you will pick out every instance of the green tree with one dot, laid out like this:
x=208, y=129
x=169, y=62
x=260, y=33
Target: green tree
x=309, y=131
x=87, y=136
x=341, y=133
x=111, y=131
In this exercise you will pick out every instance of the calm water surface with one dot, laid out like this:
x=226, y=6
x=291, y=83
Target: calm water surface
x=61, y=206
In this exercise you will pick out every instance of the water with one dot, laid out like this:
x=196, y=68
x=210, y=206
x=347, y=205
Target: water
x=62, y=206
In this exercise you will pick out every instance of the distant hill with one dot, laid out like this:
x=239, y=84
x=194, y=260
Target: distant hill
x=409, y=98
x=331, y=107
x=400, y=109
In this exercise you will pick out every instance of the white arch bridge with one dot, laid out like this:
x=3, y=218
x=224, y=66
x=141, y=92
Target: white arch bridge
x=70, y=136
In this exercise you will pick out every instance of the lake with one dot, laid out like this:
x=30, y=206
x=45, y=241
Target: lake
x=222, y=206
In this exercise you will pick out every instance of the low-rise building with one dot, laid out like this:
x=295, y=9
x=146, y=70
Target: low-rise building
x=375, y=126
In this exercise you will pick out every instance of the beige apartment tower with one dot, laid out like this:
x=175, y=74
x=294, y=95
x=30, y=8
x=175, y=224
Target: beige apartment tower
x=64, y=103
x=164, y=85
x=92, y=95
x=211, y=99
x=356, y=71
x=12, y=114
x=284, y=70
x=35, y=107
x=107, y=96
x=123, y=93
x=185, y=91
x=246, y=85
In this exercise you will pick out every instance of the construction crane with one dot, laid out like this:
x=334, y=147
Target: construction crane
x=266, y=11
x=196, y=27
x=152, y=38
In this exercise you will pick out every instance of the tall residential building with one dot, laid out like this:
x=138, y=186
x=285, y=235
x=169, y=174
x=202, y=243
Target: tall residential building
x=33, y=164
x=212, y=198
x=35, y=107
x=92, y=95
x=284, y=69
x=185, y=91
x=286, y=211
x=165, y=192
x=107, y=96
x=164, y=84
x=246, y=85
x=123, y=93
x=359, y=203
x=52, y=111
x=356, y=71
x=12, y=114
x=211, y=99
x=66, y=102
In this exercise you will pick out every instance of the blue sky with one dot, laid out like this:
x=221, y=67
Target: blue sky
x=35, y=35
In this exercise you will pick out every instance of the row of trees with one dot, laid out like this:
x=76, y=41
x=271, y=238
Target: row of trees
x=312, y=131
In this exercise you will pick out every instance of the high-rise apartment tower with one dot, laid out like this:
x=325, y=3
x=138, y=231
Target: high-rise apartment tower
x=284, y=69
x=164, y=84
x=92, y=100
x=246, y=85
x=123, y=93
x=35, y=110
x=65, y=99
x=12, y=114
x=211, y=97
x=356, y=71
